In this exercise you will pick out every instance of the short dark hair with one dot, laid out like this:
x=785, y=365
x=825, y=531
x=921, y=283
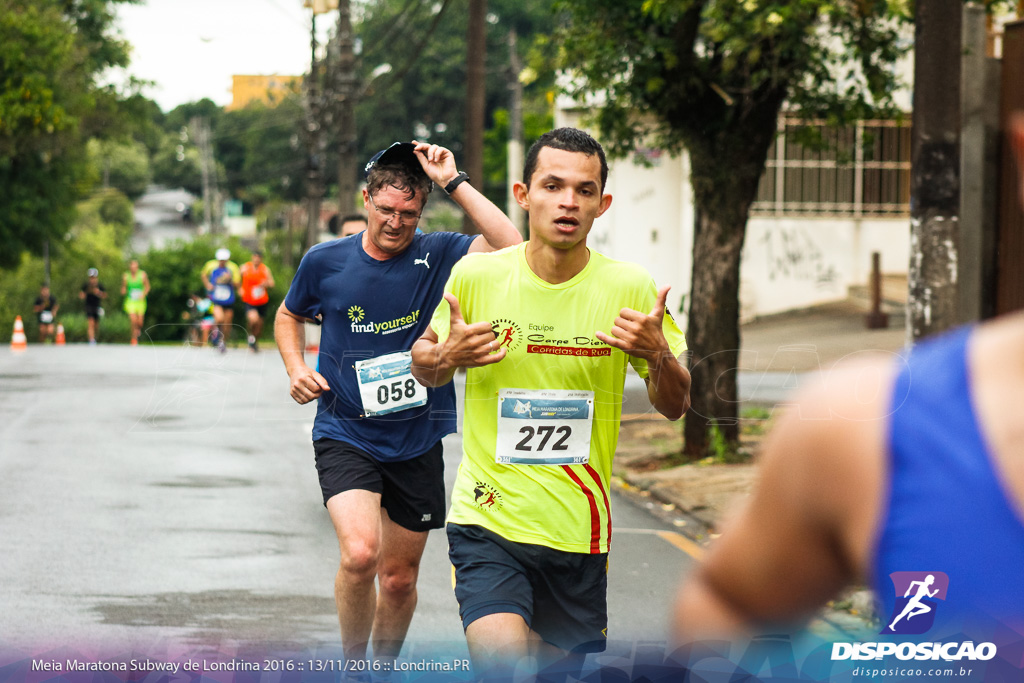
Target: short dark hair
x=402, y=178
x=352, y=217
x=570, y=140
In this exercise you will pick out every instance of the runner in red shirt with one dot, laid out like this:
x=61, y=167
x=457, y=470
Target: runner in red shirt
x=256, y=281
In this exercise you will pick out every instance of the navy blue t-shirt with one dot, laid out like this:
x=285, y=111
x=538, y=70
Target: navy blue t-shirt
x=370, y=308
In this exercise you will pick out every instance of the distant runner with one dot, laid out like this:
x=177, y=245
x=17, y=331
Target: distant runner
x=135, y=288
x=221, y=278
x=256, y=281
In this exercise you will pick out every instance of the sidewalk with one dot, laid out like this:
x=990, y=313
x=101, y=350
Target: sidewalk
x=696, y=498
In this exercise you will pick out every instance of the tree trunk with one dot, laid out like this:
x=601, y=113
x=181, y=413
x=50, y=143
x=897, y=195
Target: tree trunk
x=725, y=176
x=713, y=330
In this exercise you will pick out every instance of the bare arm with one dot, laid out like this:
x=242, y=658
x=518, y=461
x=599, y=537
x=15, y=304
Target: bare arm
x=468, y=346
x=496, y=230
x=641, y=335
x=124, y=284
x=807, y=529
x=290, y=335
x=145, y=285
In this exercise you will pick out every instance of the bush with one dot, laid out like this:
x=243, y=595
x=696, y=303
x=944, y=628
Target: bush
x=174, y=275
x=115, y=327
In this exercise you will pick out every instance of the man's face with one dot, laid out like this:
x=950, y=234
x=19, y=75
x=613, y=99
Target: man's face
x=257, y=259
x=133, y=267
x=392, y=219
x=564, y=197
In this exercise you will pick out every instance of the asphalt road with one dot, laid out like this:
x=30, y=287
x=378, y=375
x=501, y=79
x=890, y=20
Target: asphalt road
x=165, y=498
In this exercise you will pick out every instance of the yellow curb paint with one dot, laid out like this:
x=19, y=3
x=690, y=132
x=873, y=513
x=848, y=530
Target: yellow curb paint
x=683, y=543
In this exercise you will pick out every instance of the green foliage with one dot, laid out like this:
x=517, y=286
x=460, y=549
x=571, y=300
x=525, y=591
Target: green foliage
x=702, y=70
x=177, y=164
x=97, y=240
x=122, y=164
x=115, y=327
x=722, y=451
x=51, y=52
x=535, y=124
x=174, y=275
x=424, y=95
x=261, y=152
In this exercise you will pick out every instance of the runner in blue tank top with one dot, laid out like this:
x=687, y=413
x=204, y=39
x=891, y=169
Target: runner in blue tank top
x=907, y=474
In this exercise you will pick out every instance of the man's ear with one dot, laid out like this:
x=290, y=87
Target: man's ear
x=522, y=195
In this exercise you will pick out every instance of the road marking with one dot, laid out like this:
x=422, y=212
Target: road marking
x=678, y=540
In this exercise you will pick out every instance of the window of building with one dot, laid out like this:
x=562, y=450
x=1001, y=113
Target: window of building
x=846, y=178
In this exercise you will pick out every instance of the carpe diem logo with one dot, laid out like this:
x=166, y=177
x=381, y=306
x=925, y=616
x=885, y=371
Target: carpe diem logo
x=355, y=314
x=486, y=496
x=507, y=332
x=917, y=599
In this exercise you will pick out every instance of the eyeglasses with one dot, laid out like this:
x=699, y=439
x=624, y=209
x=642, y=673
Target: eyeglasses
x=404, y=217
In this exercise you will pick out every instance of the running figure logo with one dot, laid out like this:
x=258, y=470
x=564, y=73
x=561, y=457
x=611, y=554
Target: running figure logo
x=917, y=596
x=506, y=333
x=486, y=496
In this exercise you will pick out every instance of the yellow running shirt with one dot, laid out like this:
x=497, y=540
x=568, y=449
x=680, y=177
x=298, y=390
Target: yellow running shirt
x=550, y=411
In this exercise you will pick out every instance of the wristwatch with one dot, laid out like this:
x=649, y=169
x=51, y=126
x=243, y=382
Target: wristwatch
x=455, y=182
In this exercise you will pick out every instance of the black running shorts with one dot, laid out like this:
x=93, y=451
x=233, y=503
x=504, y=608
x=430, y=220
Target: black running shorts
x=412, y=491
x=562, y=596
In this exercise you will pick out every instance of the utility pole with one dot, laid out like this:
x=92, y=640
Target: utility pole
x=314, y=156
x=476, y=72
x=932, y=304
x=345, y=89
x=201, y=134
x=515, y=135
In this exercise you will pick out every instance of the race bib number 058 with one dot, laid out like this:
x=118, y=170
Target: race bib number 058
x=386, y=384
x=544, y=427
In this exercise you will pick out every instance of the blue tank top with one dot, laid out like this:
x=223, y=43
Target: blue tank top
x=947, y=510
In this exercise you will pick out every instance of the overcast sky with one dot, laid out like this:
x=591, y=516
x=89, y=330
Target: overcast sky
x=191, y=48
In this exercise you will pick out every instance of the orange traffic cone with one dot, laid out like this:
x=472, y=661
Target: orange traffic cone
x=60, y=340
x=18, y=341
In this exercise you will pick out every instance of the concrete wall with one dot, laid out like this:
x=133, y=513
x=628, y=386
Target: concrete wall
x=793, y=263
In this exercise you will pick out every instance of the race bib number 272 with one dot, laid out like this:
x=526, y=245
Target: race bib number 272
x=537, y=427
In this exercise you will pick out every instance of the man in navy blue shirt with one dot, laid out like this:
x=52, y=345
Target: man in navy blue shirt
x=377, y=434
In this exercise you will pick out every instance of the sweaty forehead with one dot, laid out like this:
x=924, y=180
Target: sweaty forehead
x=573, y=167
x=393, y=198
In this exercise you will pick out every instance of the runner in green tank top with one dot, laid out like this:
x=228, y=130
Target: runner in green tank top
x=135, y=288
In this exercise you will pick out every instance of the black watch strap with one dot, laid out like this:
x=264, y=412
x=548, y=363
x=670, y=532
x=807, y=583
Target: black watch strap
x=455, y=182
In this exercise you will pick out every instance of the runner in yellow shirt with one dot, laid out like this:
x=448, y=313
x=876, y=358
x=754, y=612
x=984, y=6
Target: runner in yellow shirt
x=546, y=329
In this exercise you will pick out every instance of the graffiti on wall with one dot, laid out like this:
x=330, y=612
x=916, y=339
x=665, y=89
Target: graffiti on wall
x=793, y=254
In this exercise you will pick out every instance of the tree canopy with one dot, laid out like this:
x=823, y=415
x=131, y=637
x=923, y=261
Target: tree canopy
x=52, y=53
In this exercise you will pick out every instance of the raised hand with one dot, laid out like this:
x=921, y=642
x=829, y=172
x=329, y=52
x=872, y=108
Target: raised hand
x=640, y=334
x=437, y=162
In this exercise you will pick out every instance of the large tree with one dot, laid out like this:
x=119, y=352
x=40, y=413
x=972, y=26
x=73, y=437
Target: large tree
x=52, y=53
x=711, y=77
